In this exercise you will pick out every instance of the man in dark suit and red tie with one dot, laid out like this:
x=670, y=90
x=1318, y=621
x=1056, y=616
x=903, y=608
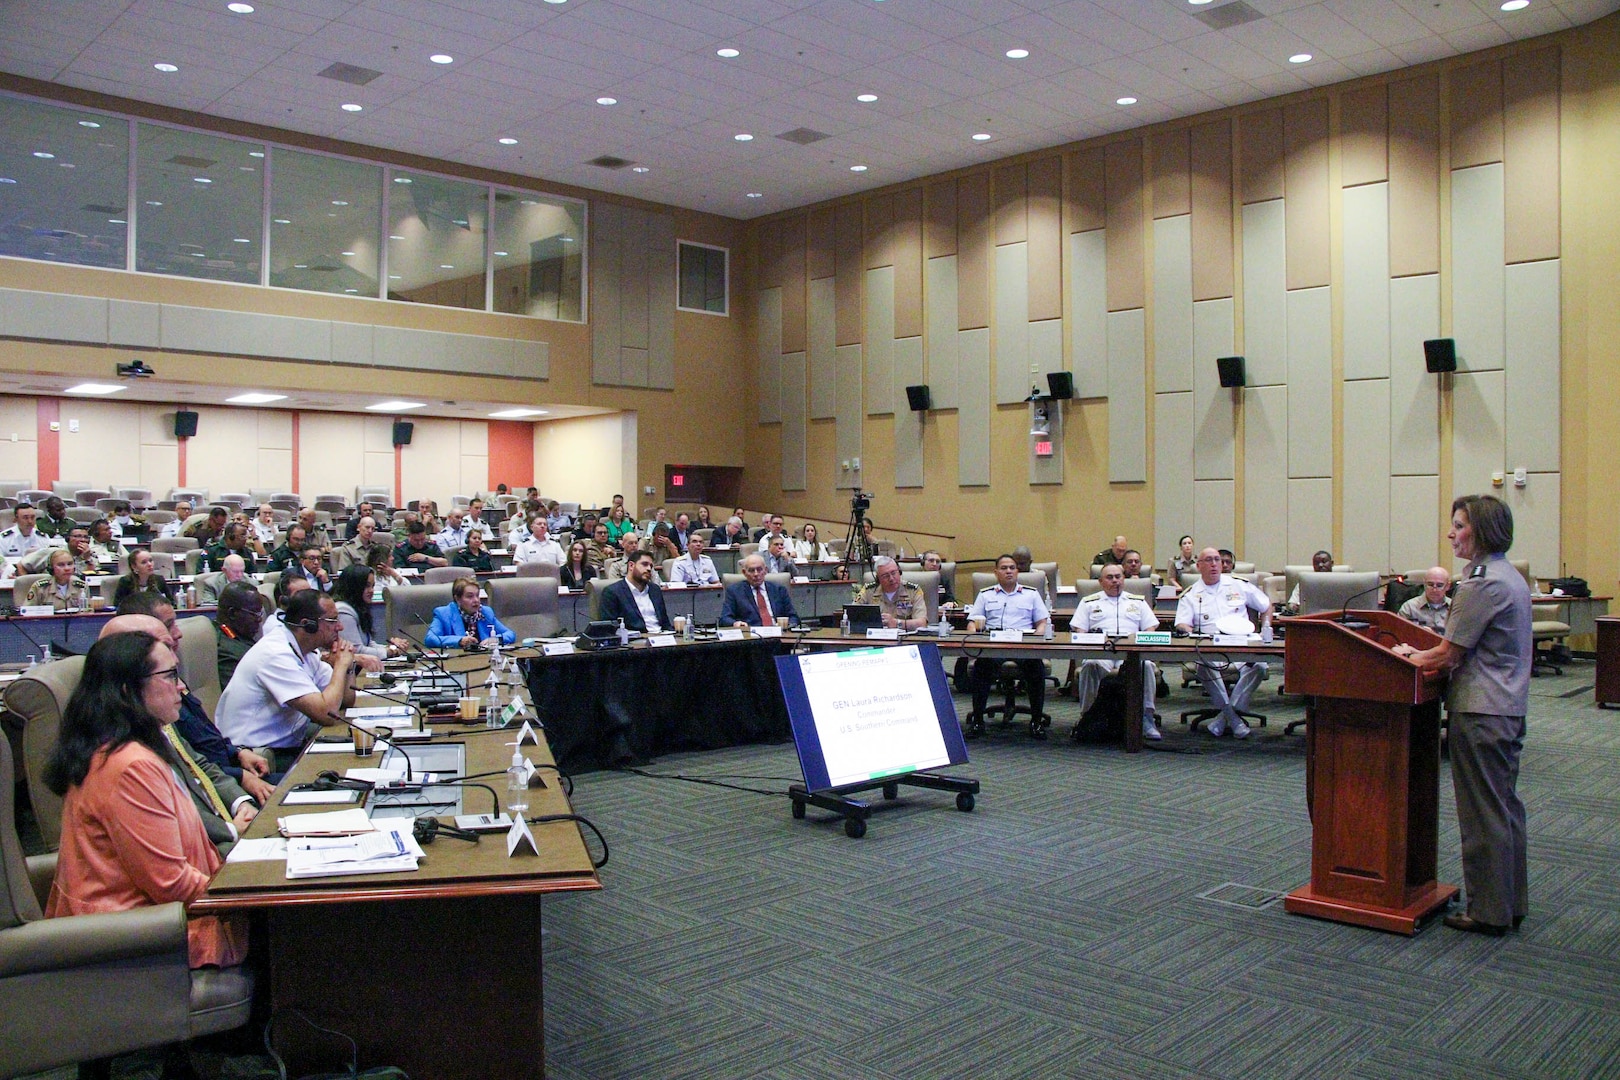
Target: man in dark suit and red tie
x=755, y=601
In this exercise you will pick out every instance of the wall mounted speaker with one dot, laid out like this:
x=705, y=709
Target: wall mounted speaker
x=402, y=432
x=185, y=424
x=1231, y=370
x=1060, y=385
x=918, y=398
x=1440, y=355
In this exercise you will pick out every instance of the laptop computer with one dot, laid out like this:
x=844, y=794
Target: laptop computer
x=863, y=617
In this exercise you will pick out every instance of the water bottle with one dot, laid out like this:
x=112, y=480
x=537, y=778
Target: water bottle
x=944, y=627
x=492, y=700
x=47, y=658
x=686, y=631
x=32, y=663
x=843, y=623
x=624, y=634
x=517, y=784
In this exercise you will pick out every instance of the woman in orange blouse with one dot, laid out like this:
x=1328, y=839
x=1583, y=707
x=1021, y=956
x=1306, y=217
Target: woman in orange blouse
x=130, y=834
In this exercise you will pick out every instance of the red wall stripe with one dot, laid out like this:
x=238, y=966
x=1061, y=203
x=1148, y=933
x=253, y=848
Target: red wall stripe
x=399, y=474
x=297, y=483
x=180, y=456
x=511, y=453
x=49, y=446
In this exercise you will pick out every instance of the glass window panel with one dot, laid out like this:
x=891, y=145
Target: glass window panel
x=64, y=183
x=200, y=204
x=702, y=278
x=539, y=255
x=324, y=216
x=436, y=240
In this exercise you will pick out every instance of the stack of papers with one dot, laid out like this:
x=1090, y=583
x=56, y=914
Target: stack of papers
x=336, y=823
x=388, y=849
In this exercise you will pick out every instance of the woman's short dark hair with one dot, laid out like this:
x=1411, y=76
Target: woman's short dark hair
x=1491, y=520
x=379, y=554
x=107, y=709
x=350, y=588
x=459, y=586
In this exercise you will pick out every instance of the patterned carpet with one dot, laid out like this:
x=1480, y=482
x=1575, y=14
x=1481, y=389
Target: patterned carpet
x=1062, y=928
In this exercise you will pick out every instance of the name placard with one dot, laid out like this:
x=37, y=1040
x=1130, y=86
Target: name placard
x=1078, y=638
x=558, y=648
x=660, y=641
x=1006, y=635
x=728, y=633
x=767, y=631
x=882, y=633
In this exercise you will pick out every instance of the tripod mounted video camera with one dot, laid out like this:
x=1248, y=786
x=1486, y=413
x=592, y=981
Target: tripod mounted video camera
x=858, y=551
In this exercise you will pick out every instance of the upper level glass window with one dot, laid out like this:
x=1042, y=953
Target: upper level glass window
x=703, y=271
x=64, y=185
x=436, y=240
x=199, y=204
x=539, y=255
x=325, y=220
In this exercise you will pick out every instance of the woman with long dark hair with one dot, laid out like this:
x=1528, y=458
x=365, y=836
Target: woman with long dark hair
x=352, y=595
x=578, y=569
x=142, y=577
x=130, y=834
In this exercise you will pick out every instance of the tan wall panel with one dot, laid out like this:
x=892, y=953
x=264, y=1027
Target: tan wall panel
x=1123, y=167
x=908, y=290
x=1087, y=193
x=1530, y=155
x=1045, y=239
x=1305, y=138
x=106, y=448
x=851, y=277
x=331, y=453
x=1414, y=176
x=430, y=468
x=1476, y=114
x=939, y=221
x=1210, y=182
x=770, y=254
x=1261, y=134
x=879, y=231
x=973, y=252
x=1172, y=194
x=793, y=315
x=1012, y=211
x=1364, y=136
x=819, y=244
x=580, y=458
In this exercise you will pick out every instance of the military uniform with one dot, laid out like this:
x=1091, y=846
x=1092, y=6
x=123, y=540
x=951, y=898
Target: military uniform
x=1116, y=616
x=14, y=545
x=1203, y=606
x=76, y=594
x=283, y=557
x=909, y=601
x=999, y=609
x=55, y=527
x=1419, y=610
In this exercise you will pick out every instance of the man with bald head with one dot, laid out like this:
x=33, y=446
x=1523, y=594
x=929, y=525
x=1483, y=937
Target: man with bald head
x=209, y=586
x=1216, y=596
x=1109, y=556
x=1434, y=606
x=365, y=538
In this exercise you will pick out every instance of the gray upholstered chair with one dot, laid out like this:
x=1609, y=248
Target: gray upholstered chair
x=411, y=607
x=20, y=586
x=538, y=569
x=199, y=659
x=528, y=606
x=38, y=699
x=444, y=575
x=1331, y=592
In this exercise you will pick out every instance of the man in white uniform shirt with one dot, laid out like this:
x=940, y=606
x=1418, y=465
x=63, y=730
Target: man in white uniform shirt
x=1212, y=598
x=1007, y=605
x=697, y=568
x=182, y=510
x=23, y=537
x=454, y=533
x=262, y=530
x=1116, y=613
x=538, y=546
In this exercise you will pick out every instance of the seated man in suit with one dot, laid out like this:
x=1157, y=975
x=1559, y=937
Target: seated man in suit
x=209, y=586
x=466, y=622
x=636, y=598
x=697, y=568
x=1201, y=607
x=1433, y=608
x=755, y=601
x=778, y=560
x=1007, y=605
x=1117, y=613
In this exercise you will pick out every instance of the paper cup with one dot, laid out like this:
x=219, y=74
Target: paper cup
x=98, y=603
x=782, y=621
x=364, y=739
x=469, y=708
x=680, y=624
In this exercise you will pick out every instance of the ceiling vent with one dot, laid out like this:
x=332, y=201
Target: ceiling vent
x=193, y=162
x=803, y=136
x=608, y=161
x=1228, y=15
x=101, y=208
x=349, y=73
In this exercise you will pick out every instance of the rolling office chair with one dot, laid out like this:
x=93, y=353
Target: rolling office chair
x=1007, y=679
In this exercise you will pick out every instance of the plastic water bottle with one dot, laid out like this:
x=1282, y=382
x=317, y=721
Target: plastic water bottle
x=517, y=784
x=843, y=623
x=624, y=634
x=944, y=627
x=492, y=700
x=47, y=658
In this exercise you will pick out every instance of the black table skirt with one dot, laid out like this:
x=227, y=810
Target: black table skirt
x=629, y=706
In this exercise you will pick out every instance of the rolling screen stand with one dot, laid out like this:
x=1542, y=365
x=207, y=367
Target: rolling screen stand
x=856, y=811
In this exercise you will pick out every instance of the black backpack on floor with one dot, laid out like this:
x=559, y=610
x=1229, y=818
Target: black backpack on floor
x=1104, y=722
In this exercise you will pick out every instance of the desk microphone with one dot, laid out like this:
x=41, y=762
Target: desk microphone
x=383, y=735
x=1344, y=618
x=59, y=651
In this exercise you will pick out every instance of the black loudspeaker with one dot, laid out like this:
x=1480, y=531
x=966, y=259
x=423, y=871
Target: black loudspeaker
x=1231, y=370
x=1060, y=385
x=1440, y=355
x=185, y=424
x=918, y=398
x=402, y=432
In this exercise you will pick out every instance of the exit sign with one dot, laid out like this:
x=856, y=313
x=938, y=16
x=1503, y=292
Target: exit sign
x=1043, y=448
x=677, y=480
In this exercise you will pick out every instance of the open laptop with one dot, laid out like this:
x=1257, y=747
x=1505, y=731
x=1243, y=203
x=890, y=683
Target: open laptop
x=863, y=617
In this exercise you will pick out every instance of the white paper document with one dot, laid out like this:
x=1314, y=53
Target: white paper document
x=377, y=852
x=332, y=823
x=269, y=849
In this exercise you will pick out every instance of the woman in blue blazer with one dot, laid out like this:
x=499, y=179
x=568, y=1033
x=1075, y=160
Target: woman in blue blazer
x=466, y=621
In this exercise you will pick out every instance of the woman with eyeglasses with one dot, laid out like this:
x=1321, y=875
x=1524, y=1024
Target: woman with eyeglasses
x=130, y=834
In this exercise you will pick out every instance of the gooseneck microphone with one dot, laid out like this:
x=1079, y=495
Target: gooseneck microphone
x=383, y=735
x=1344, y=618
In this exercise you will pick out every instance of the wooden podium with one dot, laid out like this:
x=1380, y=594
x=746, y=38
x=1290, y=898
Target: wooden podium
x=1372, y=771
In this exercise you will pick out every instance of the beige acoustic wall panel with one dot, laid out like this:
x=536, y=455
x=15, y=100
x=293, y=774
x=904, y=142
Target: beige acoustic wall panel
x=939, y=358
x=474, y=459
x=1478, y=432
x=1530, y=155
x=768, y=355
x=1534, y=371
x=1127, y=284
x=794, y=431
x=1310, y=382
x=847, y=431
x=1366, y=507
x=1265, y=316
x=1536, y=532
x=1172, y=471
x=1210, y=157
x=633, y=287
x=1214, y=405
x=1414, y=176
x=1009, y=322
x=793, y=277
x=607, y=245
x=330, y=457
x=1310, y=518
x=430, y=468
x=1127, y=396
x=1265, y=477
x=1305, y=136
x=850, y=274
x=1214, y=520
x=225, y=453
x=661, y=302
x=878, y=341
x=1172, y=304
x=1416, y=533
x=106, y=446
x=1476, y=267
x=973, y=409
x=1366, y=281
x=19, y=460
x=821, y=333
x=1414, y=394
x=1088, y=313
x=1045, y=235
x=1045, y=351
x=908, y=425
x=1363, y=136
x=973, y=244
x=908, y=286
x=633, y=366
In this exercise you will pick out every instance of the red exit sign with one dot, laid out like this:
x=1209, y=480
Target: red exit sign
x=1043, y=449
x=677, y=480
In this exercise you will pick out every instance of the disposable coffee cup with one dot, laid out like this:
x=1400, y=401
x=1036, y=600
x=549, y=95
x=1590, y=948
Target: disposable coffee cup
x=364, y=739
x=680, y=624
x=469, y=708
x=98, y=603
x=782, y=621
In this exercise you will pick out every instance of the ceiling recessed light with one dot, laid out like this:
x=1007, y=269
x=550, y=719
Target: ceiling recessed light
x=254, y=398
x=67, y=165
x=241, y=240
x=392, y=236
x=743, y=137
x=153, y=202
x=639, y=169
x=395, y=406
x=756, y=194
x=116, y=221
x=447, y=266
x=556, y=1
x=983, y=136
x=727, y=53
x=393, y=277
x=1198, y=2
x=607, y=101
x=300, y=266
x=1125, y=101
x=857, y=168
x=1515, y=5
x=165, y=67
x=282, y=221
x=240, y=9
x=43, y=155
x=1017, y=54
x=339, y=202
x=88, y=124
x=867, y=98
x=442, y=58
x=201, y=180
x=6, y=180
x=350, y=106
x=351, y=290
x=1300, y=58
x=255, y=153
x=515, y=414
x=509, y=141
x=93, y=388
x=350, y=254
x=402, y=179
